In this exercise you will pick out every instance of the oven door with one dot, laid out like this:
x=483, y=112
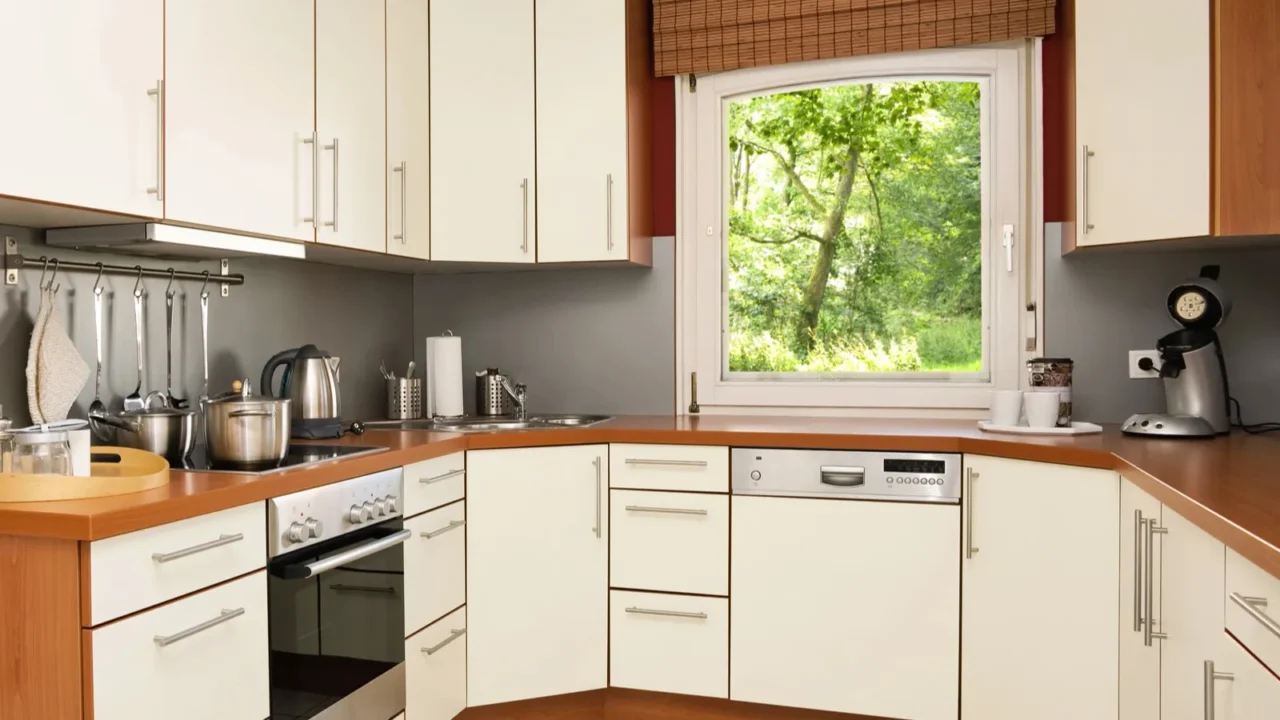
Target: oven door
x=337, y=627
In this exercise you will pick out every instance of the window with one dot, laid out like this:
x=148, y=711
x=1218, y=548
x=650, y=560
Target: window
x=851, y=231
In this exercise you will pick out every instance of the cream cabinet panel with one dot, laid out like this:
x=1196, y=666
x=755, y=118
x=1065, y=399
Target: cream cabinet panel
x=689, y=468
x=1142, y=120
x=1193, y=575
x=239, y=108
x=408, y=129
x=669, y=643
x=83, y=120
x=1252, y=693
x=351, y=122
x=670, y=542
x=436, y=670
x=435, y=482
x=435, y=565
x=1139, y=578
x=1041, y=584
x=483, y=180
x=1252, y=602
x=537, y=572
x=582, y=130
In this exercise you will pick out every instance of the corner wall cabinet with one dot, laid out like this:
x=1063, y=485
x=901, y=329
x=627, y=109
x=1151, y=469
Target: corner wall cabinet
x=408, y=130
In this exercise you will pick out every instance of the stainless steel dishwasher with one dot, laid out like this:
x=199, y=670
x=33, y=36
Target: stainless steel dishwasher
x=845, y=583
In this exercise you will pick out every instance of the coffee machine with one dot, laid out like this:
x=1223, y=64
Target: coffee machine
x=1192, y=368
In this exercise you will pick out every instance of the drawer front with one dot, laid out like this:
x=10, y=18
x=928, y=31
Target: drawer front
x=435, y=565
x=435, y=482
x=212, y=665
x=669, y=643
x=672, y=542
x=1253, y=609
x=436, y=669
x=693, y=468
x=144, y=568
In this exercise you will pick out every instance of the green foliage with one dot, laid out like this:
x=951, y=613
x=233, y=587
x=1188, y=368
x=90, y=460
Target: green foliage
x=855, y=229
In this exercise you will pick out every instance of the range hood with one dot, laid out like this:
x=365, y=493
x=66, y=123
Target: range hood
x=173, y=242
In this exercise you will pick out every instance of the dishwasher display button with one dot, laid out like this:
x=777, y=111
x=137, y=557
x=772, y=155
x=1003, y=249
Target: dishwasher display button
x=755, y=475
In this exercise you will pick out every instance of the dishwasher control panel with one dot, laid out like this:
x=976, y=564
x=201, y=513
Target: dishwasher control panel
x=847, y=474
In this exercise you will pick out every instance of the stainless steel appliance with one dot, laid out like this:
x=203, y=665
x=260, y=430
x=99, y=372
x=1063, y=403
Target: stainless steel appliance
x=336, y=599
x=245, y=429
x=299, y=456
x=850, y=474
x=310, y=380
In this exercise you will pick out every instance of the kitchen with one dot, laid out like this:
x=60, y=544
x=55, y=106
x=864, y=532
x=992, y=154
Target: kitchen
x=1033, y=582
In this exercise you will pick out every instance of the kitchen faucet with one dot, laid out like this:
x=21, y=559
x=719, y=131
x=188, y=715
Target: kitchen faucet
x=519, y=394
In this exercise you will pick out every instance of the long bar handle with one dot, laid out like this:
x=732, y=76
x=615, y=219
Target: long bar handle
x=668, y=463
x=1149, y=595
x=1087, y=154
x=1252, y=606
x=314, y=142
x=670, y=511
x=176, y=554
x=454, y=525
x=524, y=243
x=360, y=551
x=441, y=478
x=609, y=208
x=224, y=616
x=158, y=93
x=667, y=613
x=404, y=195
x=969, y=477
x=453, y=635
x=598, y=462
x=1139, y=531
x=1210, y=676
x=364, y=588
x=334, y=148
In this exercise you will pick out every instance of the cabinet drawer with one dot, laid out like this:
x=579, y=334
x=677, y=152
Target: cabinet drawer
x=435, y=663
x=673, y=542
x=204, y=657
x=144, y=568
x=435, y=482
x=696, y=468
x=1253, y=609
x=669, y=643
x=435, y=565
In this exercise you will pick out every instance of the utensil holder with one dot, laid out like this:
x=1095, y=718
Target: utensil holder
x=404, y=398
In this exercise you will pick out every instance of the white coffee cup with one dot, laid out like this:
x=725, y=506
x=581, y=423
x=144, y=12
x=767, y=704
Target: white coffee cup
x=1042, y=407
x=1006, y=407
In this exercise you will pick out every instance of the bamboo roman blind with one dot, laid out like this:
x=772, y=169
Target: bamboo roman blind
x=699, y=36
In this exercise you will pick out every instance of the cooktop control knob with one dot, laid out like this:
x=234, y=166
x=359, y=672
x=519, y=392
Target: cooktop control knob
x=358, y=514
x=380, y=507
x=314, y=527
x=391, y=505
x=296, y=533
x=370, y=511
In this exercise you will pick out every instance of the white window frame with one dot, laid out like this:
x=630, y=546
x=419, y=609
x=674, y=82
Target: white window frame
x=1008, y=200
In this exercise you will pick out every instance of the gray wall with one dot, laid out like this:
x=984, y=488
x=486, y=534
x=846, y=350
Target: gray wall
x=584, y=340
x=361, y=316
x=1099, y=305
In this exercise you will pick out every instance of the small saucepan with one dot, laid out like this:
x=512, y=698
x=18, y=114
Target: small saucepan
x=164, y=431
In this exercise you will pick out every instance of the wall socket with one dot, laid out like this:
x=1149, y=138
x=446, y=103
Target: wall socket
x=1137, y=372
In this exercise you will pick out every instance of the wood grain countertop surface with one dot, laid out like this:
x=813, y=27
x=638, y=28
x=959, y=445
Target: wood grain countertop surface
x=1228, y=486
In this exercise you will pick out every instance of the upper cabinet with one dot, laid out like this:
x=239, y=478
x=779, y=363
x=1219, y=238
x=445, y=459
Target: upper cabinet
x=1142, y=120
x=483, y=166
x=408, y=130
x=84, y=107
x=240, y=116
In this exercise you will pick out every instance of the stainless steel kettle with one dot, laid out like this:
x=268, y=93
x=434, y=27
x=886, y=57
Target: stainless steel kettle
x=311, y=381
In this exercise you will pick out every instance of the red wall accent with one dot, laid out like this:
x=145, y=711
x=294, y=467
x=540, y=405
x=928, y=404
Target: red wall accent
x=664, y=156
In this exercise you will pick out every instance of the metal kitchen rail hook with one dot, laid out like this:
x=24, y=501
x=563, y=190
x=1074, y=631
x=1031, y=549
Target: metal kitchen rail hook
x=13, y=261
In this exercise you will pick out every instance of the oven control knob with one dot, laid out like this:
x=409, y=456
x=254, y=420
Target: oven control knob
x=358, y=514
x=296, y=533
x=370, y=511
x=314, y=527
x=391, y=505
x=385, y=506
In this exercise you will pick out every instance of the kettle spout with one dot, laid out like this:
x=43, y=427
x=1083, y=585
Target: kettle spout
x=333, y=363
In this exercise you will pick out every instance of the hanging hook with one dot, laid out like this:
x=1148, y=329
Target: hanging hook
x=137, y=286
x=203, y=294
x=168, y=290
x=43, y=269
x=97, y=283
x=54, y=276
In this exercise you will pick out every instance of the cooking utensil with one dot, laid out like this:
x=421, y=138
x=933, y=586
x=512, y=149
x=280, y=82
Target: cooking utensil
x=204, y=349
x=246, y=429
x=408, y=375
x=386, y=375
x=168, y=432
x=133, y=401
x=170, y=398
x=102, y=431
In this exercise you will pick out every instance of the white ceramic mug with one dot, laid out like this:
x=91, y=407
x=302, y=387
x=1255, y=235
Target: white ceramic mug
x=1006, y=407
x=1042, y=407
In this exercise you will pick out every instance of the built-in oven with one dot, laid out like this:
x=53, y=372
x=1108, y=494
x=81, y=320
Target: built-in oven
x=336, y=601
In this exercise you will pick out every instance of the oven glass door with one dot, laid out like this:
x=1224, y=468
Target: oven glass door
x=337, y=626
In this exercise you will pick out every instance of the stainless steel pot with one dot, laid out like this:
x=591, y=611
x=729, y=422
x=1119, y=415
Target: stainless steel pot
x=246, y=429
x=164, y=431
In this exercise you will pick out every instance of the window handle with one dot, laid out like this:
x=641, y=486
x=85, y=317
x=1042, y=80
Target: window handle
x=1008, y=248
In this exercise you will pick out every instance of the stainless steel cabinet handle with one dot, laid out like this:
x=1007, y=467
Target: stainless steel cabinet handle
x=222, y=540
x=352, y=554
x=969, y=476
x=1210, y=676
x=1149, y=590
x=404, y=184
x=667, y=613
x=314, y=142
x=158, y=93
x=670, y=463
x=364, y=588
x=598, y=462
x=334, y=148
x=671, y=511
x=609, y=208
x=441, y=478
x=454, y=525
x=1139, y=525
x=1253, y=605
x=1087, y=154
x=226, y=615
x=453, y=635
x=524, y=243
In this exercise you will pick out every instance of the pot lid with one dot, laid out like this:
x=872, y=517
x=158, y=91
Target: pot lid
x=242, y=392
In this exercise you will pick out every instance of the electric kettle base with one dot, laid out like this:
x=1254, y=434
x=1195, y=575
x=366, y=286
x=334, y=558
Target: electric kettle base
x=315, y=428
x=1164, y=425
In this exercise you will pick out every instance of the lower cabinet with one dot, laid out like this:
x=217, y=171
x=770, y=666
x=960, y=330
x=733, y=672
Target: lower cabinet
x=669, y=643
x=537, y=572
x=1191, y=616
x=436, y=670
x=435, y=562
x=1246, y=689
x=1040, y=591
x=1140, y=599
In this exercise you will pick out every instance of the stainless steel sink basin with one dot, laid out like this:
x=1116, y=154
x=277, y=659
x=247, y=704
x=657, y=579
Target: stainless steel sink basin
x=491, y=424
x=571, y=420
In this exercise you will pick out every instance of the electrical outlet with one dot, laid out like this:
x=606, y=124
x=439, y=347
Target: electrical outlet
x=1135, y=356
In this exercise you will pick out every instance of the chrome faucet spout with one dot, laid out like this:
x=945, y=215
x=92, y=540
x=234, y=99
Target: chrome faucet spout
x=519, y=394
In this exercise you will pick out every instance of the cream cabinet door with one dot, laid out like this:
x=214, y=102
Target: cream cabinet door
x=483, y=184
x=537, y=572
x=239, y=110
x=1041, y=583
x=436, y=670
x=1139, y=579
x=435, y=565
x=351, y=122
x=408, y=130
x=582, y=130
x=1194, y=575
x=1252, y=693
x=1142, y=120
x=82, y=88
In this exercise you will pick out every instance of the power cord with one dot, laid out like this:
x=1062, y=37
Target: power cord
x=1255, y=428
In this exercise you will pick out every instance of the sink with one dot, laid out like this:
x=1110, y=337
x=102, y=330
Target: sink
x=571, y=420
x=491, y=424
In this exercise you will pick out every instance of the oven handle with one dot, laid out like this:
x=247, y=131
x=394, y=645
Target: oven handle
x=355, y=553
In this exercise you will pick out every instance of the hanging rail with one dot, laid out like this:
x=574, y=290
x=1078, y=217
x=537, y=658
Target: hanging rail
x=14, y=262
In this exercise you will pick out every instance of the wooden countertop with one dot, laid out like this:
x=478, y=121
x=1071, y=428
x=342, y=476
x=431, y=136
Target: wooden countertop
x=1229, y=486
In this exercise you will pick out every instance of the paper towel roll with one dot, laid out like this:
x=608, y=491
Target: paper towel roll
x=444, y=376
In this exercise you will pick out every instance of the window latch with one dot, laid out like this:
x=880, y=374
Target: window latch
x=1008, y=248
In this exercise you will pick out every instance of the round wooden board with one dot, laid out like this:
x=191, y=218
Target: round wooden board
x=137, y=470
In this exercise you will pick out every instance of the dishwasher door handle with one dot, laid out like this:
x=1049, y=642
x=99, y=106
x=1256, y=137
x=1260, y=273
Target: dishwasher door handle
x=843, y=475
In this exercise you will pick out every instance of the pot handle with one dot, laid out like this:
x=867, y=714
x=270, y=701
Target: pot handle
x=119, y=423
x=251, y=413
x=280, y=358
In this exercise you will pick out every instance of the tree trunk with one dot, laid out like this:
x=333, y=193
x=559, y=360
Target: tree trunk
x=816, y=289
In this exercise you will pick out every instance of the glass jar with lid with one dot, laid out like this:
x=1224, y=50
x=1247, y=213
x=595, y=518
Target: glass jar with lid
x=6, y=442
x=41, y=452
